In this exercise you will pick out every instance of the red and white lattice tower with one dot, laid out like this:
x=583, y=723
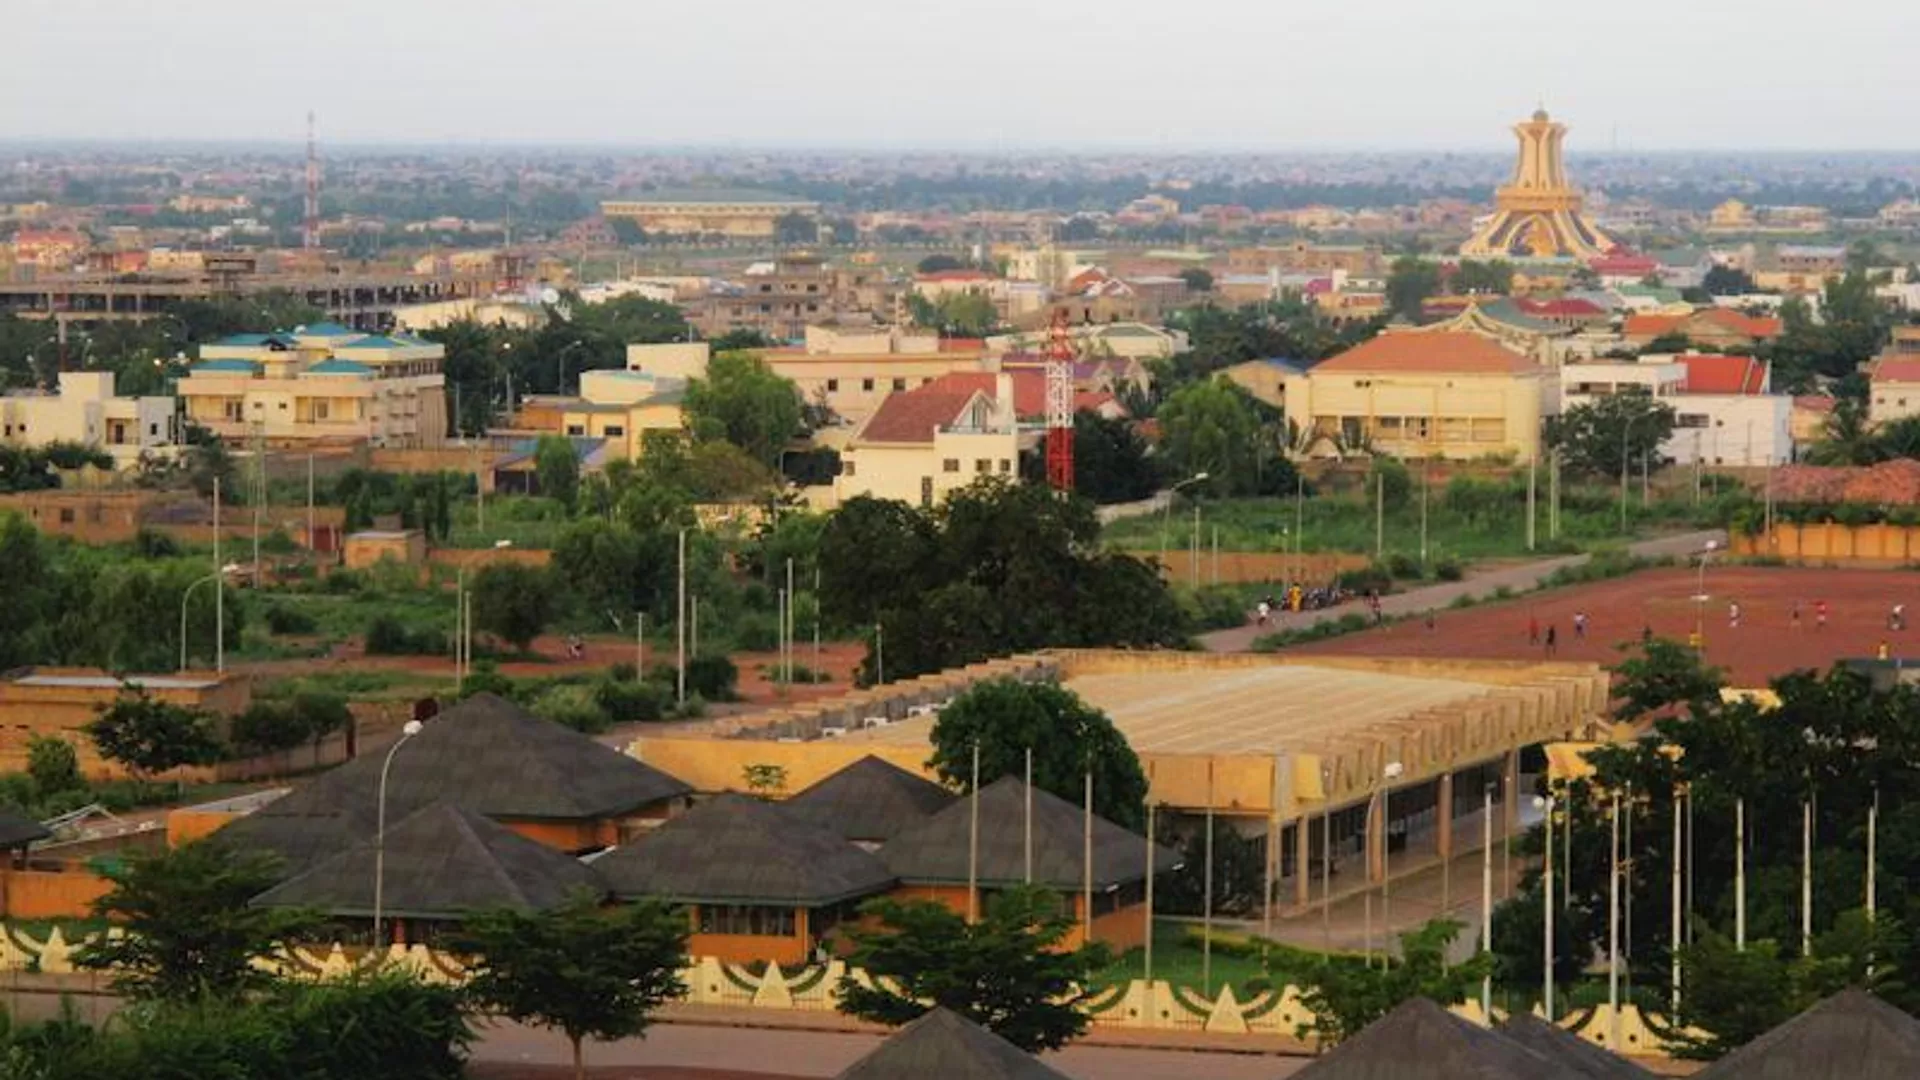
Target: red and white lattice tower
x=310, y=231
x=1060, y=404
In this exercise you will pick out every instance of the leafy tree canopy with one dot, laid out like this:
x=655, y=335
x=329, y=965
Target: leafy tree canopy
x=1591, y=436
x=1007, y=718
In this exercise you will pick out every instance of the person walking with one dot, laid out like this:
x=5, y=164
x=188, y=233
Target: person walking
x=1733, y=615
x=1533, y=630
x=1580, y=625
x=1552, y=640
x=1793, y=615
x=1819, y=614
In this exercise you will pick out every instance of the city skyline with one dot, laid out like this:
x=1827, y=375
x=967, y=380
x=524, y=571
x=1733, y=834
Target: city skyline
x=1007, y=77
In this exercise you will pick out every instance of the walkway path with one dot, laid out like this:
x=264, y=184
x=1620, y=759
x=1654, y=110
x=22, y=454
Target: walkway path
x=1436, y=597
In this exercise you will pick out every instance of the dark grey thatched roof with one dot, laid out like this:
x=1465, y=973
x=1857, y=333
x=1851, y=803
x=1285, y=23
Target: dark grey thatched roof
x=485, y=754
x=936, y=850
x=1850, y=1036
x=871, y=799
x=736, y=849
x=1570, y=1050
x=944, y=1044
x=1422, y=1041
x=440, y=862
x=17, y=830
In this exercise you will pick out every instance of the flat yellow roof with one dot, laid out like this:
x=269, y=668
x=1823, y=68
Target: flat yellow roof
x=1248, y=710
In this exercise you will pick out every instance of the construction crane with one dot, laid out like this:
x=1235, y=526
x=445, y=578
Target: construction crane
x=1060, y=359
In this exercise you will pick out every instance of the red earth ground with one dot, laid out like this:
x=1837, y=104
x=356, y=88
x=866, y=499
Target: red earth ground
x=1763, y=646
x=506, y=1071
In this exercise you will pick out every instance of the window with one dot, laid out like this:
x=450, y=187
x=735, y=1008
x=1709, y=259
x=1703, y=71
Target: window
x=950, y=465
x=1006, y=465
x=926, y=491
x=846, y=466
x=867, y=385
x=833, y=386
x=1690, y=420
x=283, y=406
x=899, y=384
x=320, y=410
x=66, y=515
x=576, y=429
x=614, y=431
x=746, y=919
x=153, y=430
x=983, y=465
x=232, y=410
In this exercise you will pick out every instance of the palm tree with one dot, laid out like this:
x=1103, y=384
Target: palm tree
x=1847, y=438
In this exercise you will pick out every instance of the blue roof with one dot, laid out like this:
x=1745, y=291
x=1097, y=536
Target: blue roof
x=339, y=367
x=327, y=329
x=378, y=341
x=247, y=367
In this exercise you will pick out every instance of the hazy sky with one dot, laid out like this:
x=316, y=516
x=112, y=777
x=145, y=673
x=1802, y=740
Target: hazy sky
x=1640, y=74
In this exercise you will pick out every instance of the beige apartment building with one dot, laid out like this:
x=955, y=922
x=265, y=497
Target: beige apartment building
x=619, y=407
x=324, y=383
x=730, y=212
x=85, y=410
x=782, y=298
x=850, y=372
x=1453, y=394
x=925, y=443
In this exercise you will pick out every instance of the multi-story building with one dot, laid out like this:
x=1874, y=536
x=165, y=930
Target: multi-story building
x=850, y=372
x=924, y=443
x=321, y=383
x=1724, y=410
x=782, y=298
x=1895, y=378
x=729, y=212
x=618, y=407
x=85, y=410
x=1453, y=394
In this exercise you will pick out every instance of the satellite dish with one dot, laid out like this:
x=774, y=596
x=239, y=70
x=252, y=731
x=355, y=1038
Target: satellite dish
x=549, y=296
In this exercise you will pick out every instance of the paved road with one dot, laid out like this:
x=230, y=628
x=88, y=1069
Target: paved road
x=824, y=1054
x=1436, y=597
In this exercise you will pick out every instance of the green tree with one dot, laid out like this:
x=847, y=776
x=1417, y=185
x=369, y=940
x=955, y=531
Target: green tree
x=1723, y=280
x=743, y=402
x=189, y=931
x=1346, y=993
x=270, y=726
x=871, y=551
x=53, y=765
x=1591, y=436
x=1661, y=678
x=1007, y=972
x=1213, y=427
x=1006, y=718
x=1494, y=277
x=1197, y=279
x=1110, y=460
x=938, y=263
x=587, y=971
x=557, y=470
x=1847, y=437
x=513, y=602
x=149, y=736
x=1410, y=282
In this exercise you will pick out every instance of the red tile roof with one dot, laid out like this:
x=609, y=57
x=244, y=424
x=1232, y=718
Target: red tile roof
x=912, y=416
x=1564, y=307
x=1897, y=369
x=1652, y=326
x=1814, y=403
x=1441, y=351
x=1709, y=374
x=1029, y=391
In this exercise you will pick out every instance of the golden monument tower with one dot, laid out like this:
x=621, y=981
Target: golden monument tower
x=1538, y=213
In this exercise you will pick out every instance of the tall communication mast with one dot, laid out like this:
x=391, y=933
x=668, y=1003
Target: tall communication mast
x=1060, y=358
x=310, y=233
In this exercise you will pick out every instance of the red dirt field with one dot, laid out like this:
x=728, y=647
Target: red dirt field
x=507, y=1071
x=1764, y=645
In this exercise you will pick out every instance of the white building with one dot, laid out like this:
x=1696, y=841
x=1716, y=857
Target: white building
x=85, y=410
x=1725, y=412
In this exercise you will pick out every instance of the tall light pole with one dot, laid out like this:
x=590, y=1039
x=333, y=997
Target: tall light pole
x=1391, y=772
x=219, y=590
x=1700, y=597
x=1613, y=926
x=1166, y=510
x=1546, y=905
x=680, y=622
x=407, y=731
x=188, y=595
x=1626, y=466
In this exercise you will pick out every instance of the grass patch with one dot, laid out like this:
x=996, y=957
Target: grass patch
x=1178, y=958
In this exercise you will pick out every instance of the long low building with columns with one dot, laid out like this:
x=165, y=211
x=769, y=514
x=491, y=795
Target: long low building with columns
x=1299, y=749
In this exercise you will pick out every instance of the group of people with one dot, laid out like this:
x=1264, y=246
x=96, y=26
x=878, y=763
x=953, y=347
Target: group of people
x=1296, y=597
x=1551, y=639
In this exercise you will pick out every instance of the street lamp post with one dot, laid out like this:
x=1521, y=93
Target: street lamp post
x=407, y=731
x=1166, y=511
x=1700, y=597
x=188, y=595
x=1391, y=772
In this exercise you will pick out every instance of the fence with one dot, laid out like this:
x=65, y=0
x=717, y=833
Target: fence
x=1136, y=1004
x=1236, y=567
x=1885, y=545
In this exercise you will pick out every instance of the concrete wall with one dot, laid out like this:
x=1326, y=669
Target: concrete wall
x=1233, y=567
x=1884, y=545
x=66, y=893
